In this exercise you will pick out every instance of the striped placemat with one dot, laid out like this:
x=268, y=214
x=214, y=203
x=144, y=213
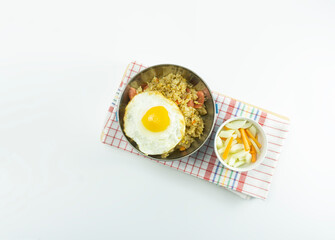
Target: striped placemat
x=204, y=164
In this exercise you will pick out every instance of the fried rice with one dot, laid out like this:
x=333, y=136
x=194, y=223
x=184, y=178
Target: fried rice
x=176, y=88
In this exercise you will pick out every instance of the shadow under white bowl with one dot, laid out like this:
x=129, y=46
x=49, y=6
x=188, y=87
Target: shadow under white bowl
x=261, y=138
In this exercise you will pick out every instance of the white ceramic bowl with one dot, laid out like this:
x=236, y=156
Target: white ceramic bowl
x=261, y=138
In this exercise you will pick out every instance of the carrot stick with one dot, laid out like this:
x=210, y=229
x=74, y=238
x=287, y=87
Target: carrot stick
x=225, y=128
x=253, y=159
x=226, y=151
x=252, y=149
x=238, y=140
x=182, y=148
x=249, y=142
x=255, y=145
x=244, y=139
x=223, y=139
x=253, y=154
x=253, y=138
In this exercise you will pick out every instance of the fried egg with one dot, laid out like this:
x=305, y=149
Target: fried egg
x=154, y=122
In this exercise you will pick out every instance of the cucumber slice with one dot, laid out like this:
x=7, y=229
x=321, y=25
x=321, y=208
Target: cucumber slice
x=239, y=163
x=237, y=132
x=253, y=130
x=248, y=158
x=236, y=148
x=255, y=145
x=240, y=155
x=247, y=125
x=236, y=124
x=232, y=161
x=219, y=142
x=221, y=151
x=226, y=133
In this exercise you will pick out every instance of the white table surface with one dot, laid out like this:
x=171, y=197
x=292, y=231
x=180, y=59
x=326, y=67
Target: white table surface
x=60, y=63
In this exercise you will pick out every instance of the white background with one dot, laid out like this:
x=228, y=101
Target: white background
x=60, y=63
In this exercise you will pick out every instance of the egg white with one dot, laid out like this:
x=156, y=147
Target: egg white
x=153, y=143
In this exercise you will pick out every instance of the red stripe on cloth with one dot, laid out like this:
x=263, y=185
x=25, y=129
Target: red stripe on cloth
x=107, y=121
x=241, y=181
x=104, y=141
x=140, y=68
x=129, y=75
x=270, y=150
x=275, y=136
x=256, y=195
x=230, y=109
x=140, y=65
x=282, y=130
x=271, y=158
x=278, y=121
x=267, y=165
x=261, y=180
x=256, y=187
x=210, y=167
x=262, y=118
x=275, y=144
x=114, y=137
x=111, y=108
x=262, y=172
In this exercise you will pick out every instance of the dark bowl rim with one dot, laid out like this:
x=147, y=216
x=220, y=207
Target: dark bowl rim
x=166, y=159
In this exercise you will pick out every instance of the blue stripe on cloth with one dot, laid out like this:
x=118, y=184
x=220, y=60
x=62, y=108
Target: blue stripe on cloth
x=116, y=119
x=216, y=170
x=238, y=107
x=216, y=108
x=232, y=186
x=256, y=114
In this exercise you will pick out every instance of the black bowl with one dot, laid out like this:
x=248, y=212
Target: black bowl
x=160, y=71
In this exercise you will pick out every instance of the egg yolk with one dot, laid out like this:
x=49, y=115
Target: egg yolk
x=156, y=119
